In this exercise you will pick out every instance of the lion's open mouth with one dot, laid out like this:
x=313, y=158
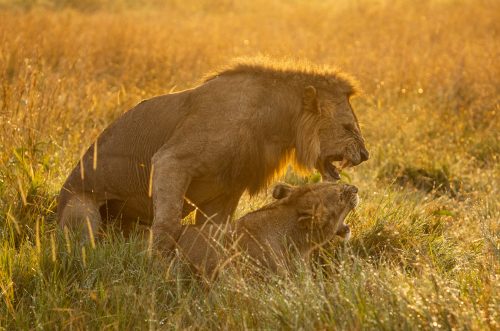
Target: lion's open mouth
x=345, y=163
x=333, y=170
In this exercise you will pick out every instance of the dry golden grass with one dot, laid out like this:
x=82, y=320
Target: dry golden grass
x=426, y=236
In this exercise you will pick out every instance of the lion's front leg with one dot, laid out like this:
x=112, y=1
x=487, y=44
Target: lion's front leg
x=170, y=183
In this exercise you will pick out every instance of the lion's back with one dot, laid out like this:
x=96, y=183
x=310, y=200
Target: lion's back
x=126, y=146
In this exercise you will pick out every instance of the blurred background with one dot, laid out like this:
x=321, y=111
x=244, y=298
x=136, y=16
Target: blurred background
x=430, y=114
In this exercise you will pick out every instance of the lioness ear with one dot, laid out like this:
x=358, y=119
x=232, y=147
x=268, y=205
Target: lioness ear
x=281, y=191
x=309, y=99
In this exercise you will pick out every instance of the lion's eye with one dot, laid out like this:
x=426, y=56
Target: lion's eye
x=348, y=127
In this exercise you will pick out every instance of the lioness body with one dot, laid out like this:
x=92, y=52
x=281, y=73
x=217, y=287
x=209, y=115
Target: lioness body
x=210, y=144
x=301, y=220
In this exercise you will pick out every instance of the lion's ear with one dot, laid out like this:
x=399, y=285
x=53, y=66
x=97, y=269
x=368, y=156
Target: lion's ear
x=310, y=100
x=281, y=191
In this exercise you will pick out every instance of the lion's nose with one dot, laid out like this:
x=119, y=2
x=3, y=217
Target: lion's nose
x=364, y=154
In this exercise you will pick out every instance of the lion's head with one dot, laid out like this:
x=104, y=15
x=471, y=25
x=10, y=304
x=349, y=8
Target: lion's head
x=306, y=109
x=330, y=131
x=321, y=208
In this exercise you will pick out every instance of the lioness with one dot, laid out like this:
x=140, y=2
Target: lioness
x=209, y=144
x=301, y=220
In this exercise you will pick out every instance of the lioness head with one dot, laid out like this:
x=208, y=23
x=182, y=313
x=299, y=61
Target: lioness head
x=338, y=131
x=321, y=208
x=304, y=217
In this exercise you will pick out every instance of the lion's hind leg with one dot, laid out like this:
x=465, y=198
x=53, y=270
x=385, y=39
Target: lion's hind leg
x=81, y=215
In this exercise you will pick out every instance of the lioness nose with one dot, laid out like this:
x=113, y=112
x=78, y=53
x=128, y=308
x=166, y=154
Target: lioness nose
x=352, y=189
x=364, y=154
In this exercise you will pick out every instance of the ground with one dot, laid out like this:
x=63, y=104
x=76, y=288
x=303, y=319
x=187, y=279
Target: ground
x=425, y=250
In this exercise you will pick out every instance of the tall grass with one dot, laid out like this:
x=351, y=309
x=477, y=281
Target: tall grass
x=425, y=250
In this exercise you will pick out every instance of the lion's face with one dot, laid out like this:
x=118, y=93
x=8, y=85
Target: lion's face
x=321, y=207
x=339, y=135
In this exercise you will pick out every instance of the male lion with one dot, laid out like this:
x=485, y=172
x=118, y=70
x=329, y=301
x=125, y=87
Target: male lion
x=209, y=144
x=301, y=220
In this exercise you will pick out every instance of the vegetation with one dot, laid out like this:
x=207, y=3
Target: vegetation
x=425, y=250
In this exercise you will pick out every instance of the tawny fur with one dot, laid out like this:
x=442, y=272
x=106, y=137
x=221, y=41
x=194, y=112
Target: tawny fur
x=234, y=133
x=298, y=73
x=300, y=221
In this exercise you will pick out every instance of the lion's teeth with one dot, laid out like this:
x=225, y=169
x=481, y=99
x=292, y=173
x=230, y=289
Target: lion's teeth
x=344, y=164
